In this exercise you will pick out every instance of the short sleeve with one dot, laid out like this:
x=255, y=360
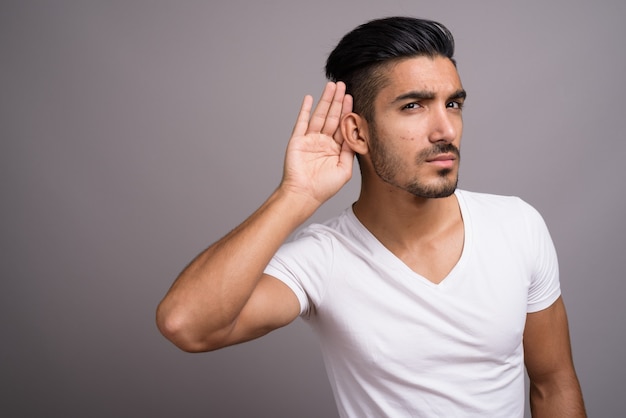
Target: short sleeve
x=544, y=286
x=303, y=265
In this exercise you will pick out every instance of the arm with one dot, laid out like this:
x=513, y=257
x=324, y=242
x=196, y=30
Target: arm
x=222, y=297
x=554, y=387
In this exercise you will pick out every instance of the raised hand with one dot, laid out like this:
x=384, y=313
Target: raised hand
x=318, y=161
x=222, y=297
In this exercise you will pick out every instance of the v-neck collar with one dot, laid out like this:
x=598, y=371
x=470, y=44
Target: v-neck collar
x=395, y=262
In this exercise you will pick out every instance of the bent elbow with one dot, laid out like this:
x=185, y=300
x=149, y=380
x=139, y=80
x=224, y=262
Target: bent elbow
x=178, y=329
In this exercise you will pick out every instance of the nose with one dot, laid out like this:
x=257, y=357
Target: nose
x=446, y=125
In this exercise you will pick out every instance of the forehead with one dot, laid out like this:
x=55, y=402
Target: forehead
x=437, y=75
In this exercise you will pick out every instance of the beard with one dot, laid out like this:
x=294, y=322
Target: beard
x=388, y=166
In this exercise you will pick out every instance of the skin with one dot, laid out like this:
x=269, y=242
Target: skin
x=417, y=114
x=217, y=300
x=408, y=153
x=554, y=387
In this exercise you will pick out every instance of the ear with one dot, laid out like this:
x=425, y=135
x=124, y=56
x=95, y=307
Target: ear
x=355, y=132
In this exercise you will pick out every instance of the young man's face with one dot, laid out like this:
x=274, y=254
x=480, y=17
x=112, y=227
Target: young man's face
x=415, y=138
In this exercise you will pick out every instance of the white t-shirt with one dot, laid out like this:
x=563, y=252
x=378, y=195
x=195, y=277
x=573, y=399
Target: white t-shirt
x=397, y=345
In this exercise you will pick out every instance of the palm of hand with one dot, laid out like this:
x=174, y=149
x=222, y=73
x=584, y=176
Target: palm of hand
x=318, y=162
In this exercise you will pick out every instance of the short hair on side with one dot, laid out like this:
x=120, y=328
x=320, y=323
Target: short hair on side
x=360, y=57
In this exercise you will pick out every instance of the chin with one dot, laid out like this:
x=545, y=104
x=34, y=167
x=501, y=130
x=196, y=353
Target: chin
x=441, y=188
x=437, y=194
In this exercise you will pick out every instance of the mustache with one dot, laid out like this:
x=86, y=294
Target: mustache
x=438, y=149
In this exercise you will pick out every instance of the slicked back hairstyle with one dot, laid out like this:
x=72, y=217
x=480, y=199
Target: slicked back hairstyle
x=360, y=58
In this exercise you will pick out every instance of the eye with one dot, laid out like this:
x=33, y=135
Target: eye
x=455, y=105
x=413, y=105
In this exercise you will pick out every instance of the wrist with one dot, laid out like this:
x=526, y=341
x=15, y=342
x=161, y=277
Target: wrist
x=295, y=202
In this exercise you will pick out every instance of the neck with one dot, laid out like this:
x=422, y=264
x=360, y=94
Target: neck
x=399, y=219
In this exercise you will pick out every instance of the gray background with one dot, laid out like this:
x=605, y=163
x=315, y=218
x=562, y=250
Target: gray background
x=134, y=134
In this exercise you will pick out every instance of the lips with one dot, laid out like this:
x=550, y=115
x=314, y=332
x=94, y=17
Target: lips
x=442, y=158
x=440, y=154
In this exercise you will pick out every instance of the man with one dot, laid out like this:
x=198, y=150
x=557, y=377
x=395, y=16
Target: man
x=427, y=299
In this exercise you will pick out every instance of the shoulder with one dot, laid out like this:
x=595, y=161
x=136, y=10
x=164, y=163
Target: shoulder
x=333, y=228
x=488, y=199
x=315, y=241
x=510, y=214
x=341, y=236
x=495, y=205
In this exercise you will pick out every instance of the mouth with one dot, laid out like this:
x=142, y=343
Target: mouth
x=443, y=160
x=440, y=156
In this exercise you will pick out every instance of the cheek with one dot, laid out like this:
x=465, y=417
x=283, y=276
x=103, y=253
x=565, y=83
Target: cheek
x=406, y=130
x=399, y=134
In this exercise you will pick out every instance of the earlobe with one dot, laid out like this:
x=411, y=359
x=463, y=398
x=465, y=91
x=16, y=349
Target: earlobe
x=354, y=131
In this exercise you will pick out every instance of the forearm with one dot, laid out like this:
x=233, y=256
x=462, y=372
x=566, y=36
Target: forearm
x=557, y=398
x=221, y=298
x=207, y=297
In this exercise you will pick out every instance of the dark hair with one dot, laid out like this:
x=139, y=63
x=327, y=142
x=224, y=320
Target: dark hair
x=362, y=54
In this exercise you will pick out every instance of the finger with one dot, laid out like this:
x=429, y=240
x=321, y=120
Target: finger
x=302, y=122
x=347, y=105
x=321, y=110
x=334, y=112
x=346, y=108
x=346, y=155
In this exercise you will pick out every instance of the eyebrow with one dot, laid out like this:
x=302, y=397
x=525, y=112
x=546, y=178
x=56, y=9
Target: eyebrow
x=428, y=95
